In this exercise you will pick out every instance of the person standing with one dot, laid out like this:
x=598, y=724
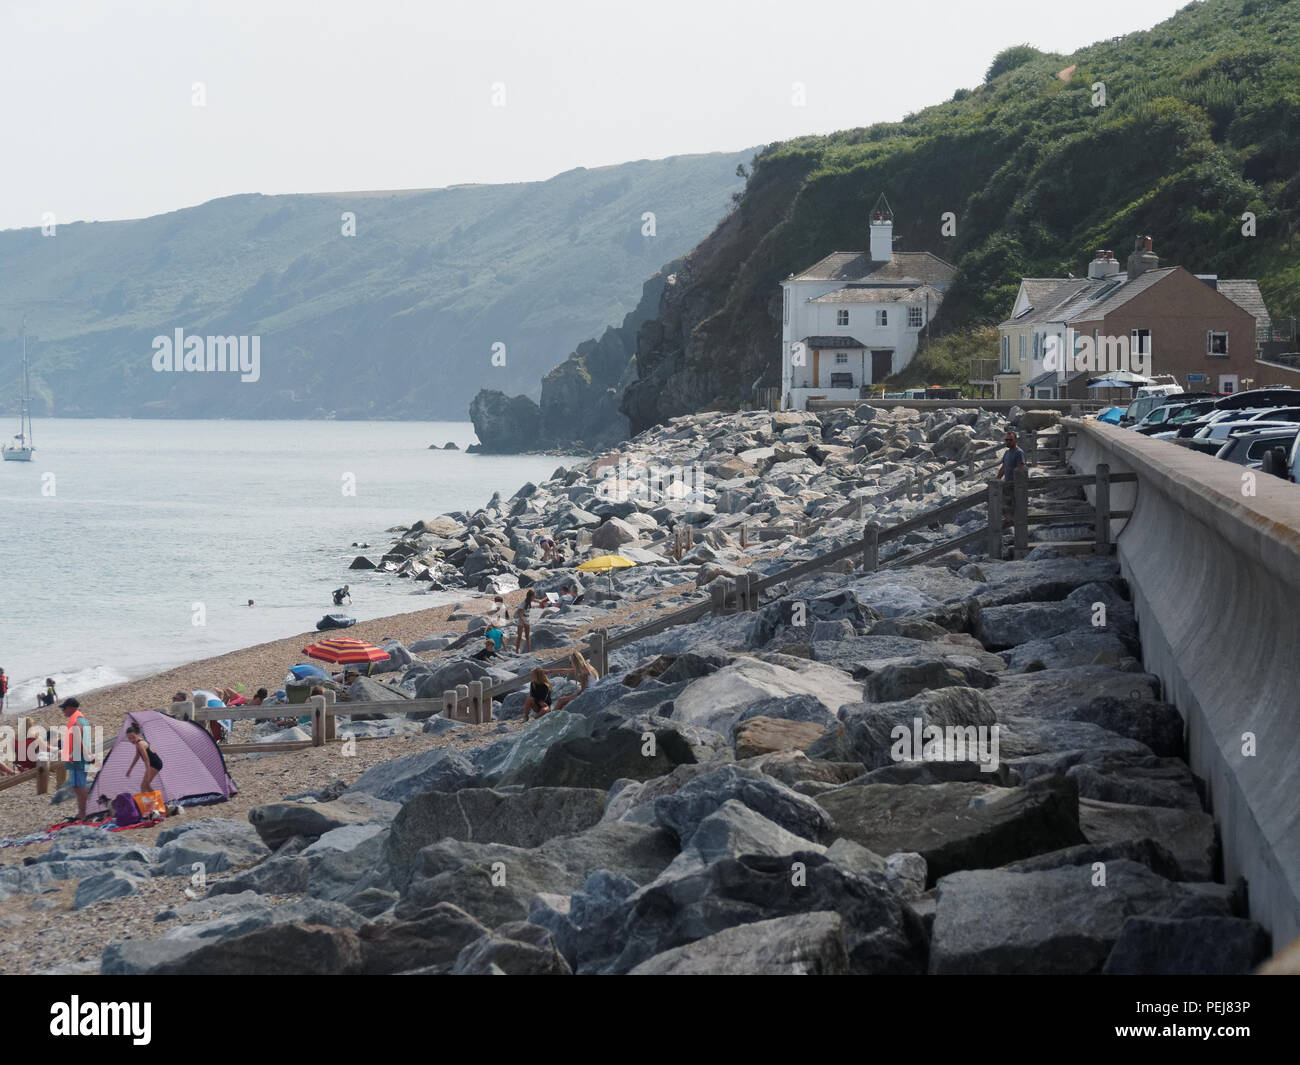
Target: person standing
x=524, y=631
x=342, y=593
x=76, y=748
x=1012, y=458
x=4, y=690
x=143, y=753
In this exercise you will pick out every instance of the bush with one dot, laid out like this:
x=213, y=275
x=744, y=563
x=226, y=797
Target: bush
x=1010, y=58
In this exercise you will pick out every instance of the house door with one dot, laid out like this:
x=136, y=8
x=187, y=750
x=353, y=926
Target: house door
x=881, y=365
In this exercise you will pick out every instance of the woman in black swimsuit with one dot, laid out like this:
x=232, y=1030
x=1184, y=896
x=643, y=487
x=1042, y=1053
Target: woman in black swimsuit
x=539, y=694
x=143, y=753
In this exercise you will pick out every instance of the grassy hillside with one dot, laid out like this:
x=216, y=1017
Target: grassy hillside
x=397, y=321
x=1201, y=123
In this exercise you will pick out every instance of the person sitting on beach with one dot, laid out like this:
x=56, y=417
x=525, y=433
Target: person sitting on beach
x=488, y=651
x=548, y=549
x=49, y=696
x=523, y=631
x=232, y=698
x=495, y=634
x=143, y=753
x=582, y=672
x=539, y=694
x=260, y=697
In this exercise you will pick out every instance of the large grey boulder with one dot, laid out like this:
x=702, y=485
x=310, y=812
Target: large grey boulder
x=881, y=933
x=278, y=822
x=516, y=948
x=1056, y=921
x=519, y=819
x=958, y=825
x=445, y=678
x=1198, y=946
x=717, y=701
x=279, y=875
x=1021, y=623
x=685, y=810
x=428, y=942
x=110, y=885
x=1189, y=835
x=804, y=944
x=613, y=534
x=215, y=846
x=397, y=780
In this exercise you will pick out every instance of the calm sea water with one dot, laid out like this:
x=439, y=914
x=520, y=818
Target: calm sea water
x=117, y=531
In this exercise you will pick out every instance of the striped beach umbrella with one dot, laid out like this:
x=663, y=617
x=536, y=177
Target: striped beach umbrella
x=346, y=651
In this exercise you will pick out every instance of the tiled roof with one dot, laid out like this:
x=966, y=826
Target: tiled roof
x=832, y=342
x=1048, y=296
x=913, y=292
x=919, y=266
x=1246, y=295
x=1086, y=309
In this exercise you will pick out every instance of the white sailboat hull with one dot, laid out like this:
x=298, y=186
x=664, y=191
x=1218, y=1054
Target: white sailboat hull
x=18, y=454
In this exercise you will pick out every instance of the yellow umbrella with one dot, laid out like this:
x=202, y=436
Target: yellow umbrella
x=604, y=563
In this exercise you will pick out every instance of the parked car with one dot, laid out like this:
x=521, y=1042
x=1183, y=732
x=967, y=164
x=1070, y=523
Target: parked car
x=1148, y=397
x=1260, y=397
x=1283, y=461
x=1171, y=415
x=1143, y=405
x=1210, y=439
x=1248, y=447
x=1218, y=420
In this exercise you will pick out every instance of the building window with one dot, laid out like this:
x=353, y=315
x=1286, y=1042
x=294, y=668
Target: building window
x=841, y=380
x=841, y=358
x=841, y=317
x=882, y=318
x=1006, y=354
x=1140, y=342
x=1216, y=343
x=1037, y=347
x=1022, y=347
x=914, y=317
x=785, y=306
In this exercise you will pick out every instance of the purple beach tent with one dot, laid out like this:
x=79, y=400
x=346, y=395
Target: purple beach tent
x=193, y=772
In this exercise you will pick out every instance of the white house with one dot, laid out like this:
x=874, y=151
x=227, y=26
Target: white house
x=854, y=318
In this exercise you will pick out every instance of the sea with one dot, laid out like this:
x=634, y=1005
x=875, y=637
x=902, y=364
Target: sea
x=129, y=547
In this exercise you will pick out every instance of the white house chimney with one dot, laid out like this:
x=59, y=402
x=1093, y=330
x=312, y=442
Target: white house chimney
x=1103, y=265
x=882, y=231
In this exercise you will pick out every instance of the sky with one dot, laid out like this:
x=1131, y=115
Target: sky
x=130, y=108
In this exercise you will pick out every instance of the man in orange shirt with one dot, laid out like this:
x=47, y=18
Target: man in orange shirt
x=76, y=752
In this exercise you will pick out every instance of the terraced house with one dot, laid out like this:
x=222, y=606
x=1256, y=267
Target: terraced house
x=1203, y=330
x=855, y=318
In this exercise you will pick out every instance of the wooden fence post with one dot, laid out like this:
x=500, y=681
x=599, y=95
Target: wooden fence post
x=747, y=599
x=1102, y=496
x=871, y=548
x=480, y=707
x=331, y=721
x=995, y=521
x=718, y=596
x=42, y=778
x=317, y=705
x=744, y=537
x=449, y=703
x=601, y=642
x=1020, y=510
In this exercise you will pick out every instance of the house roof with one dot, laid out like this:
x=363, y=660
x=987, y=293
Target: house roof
x=922, y=267
x=1246, y=295
x=1098, y=304
x=913, y=292
x=832, y=342
x=1048, y=296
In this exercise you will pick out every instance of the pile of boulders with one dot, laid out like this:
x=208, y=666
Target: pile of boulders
x=776, y=791
x=709, y=474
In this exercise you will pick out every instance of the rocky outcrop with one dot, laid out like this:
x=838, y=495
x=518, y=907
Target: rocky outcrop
x=504, y=423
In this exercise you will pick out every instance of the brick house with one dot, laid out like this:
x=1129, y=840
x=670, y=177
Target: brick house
x=1200, y=330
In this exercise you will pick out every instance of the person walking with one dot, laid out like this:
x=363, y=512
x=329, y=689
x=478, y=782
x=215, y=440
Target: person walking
x=342, y=593
x=1012, y=458
x=76, y=749
x=523, y=631
x=143, y=753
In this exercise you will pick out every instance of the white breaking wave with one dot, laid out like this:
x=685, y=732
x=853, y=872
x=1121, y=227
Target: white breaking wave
x=22, y=693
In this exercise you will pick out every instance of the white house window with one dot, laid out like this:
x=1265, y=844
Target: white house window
x=882, y=318
x=1140, y=342
x=1216, y=343
x=1006, y=354
x=841, y=358
x=1022, y=347
x=841, y=317
x=914, y=317
x=1037, y=349
x=841, y=380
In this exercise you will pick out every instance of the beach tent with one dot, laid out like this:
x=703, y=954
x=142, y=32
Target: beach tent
x=194, y=769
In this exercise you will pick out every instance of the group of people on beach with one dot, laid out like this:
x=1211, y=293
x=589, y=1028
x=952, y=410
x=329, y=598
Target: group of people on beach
x=538, y=702
x=43, y=698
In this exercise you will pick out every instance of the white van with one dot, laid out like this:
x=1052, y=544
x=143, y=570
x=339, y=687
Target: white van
x=1149, y=397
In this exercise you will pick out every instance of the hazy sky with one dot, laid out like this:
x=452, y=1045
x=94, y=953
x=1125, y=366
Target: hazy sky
x=98, y=119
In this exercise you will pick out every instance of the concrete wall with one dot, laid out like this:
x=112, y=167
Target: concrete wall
x=1215, y=577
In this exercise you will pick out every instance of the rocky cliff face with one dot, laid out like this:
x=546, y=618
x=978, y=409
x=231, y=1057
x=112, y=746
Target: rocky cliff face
x=579, y=408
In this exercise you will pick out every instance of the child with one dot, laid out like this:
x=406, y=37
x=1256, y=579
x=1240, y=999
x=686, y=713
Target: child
x=143, y=753
x=582, y=672
x=489, y=651
x=523, y=631
x=49, y=696
x=539, y=694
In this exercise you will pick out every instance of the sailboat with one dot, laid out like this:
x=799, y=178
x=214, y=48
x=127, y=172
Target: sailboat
x=22, y=451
